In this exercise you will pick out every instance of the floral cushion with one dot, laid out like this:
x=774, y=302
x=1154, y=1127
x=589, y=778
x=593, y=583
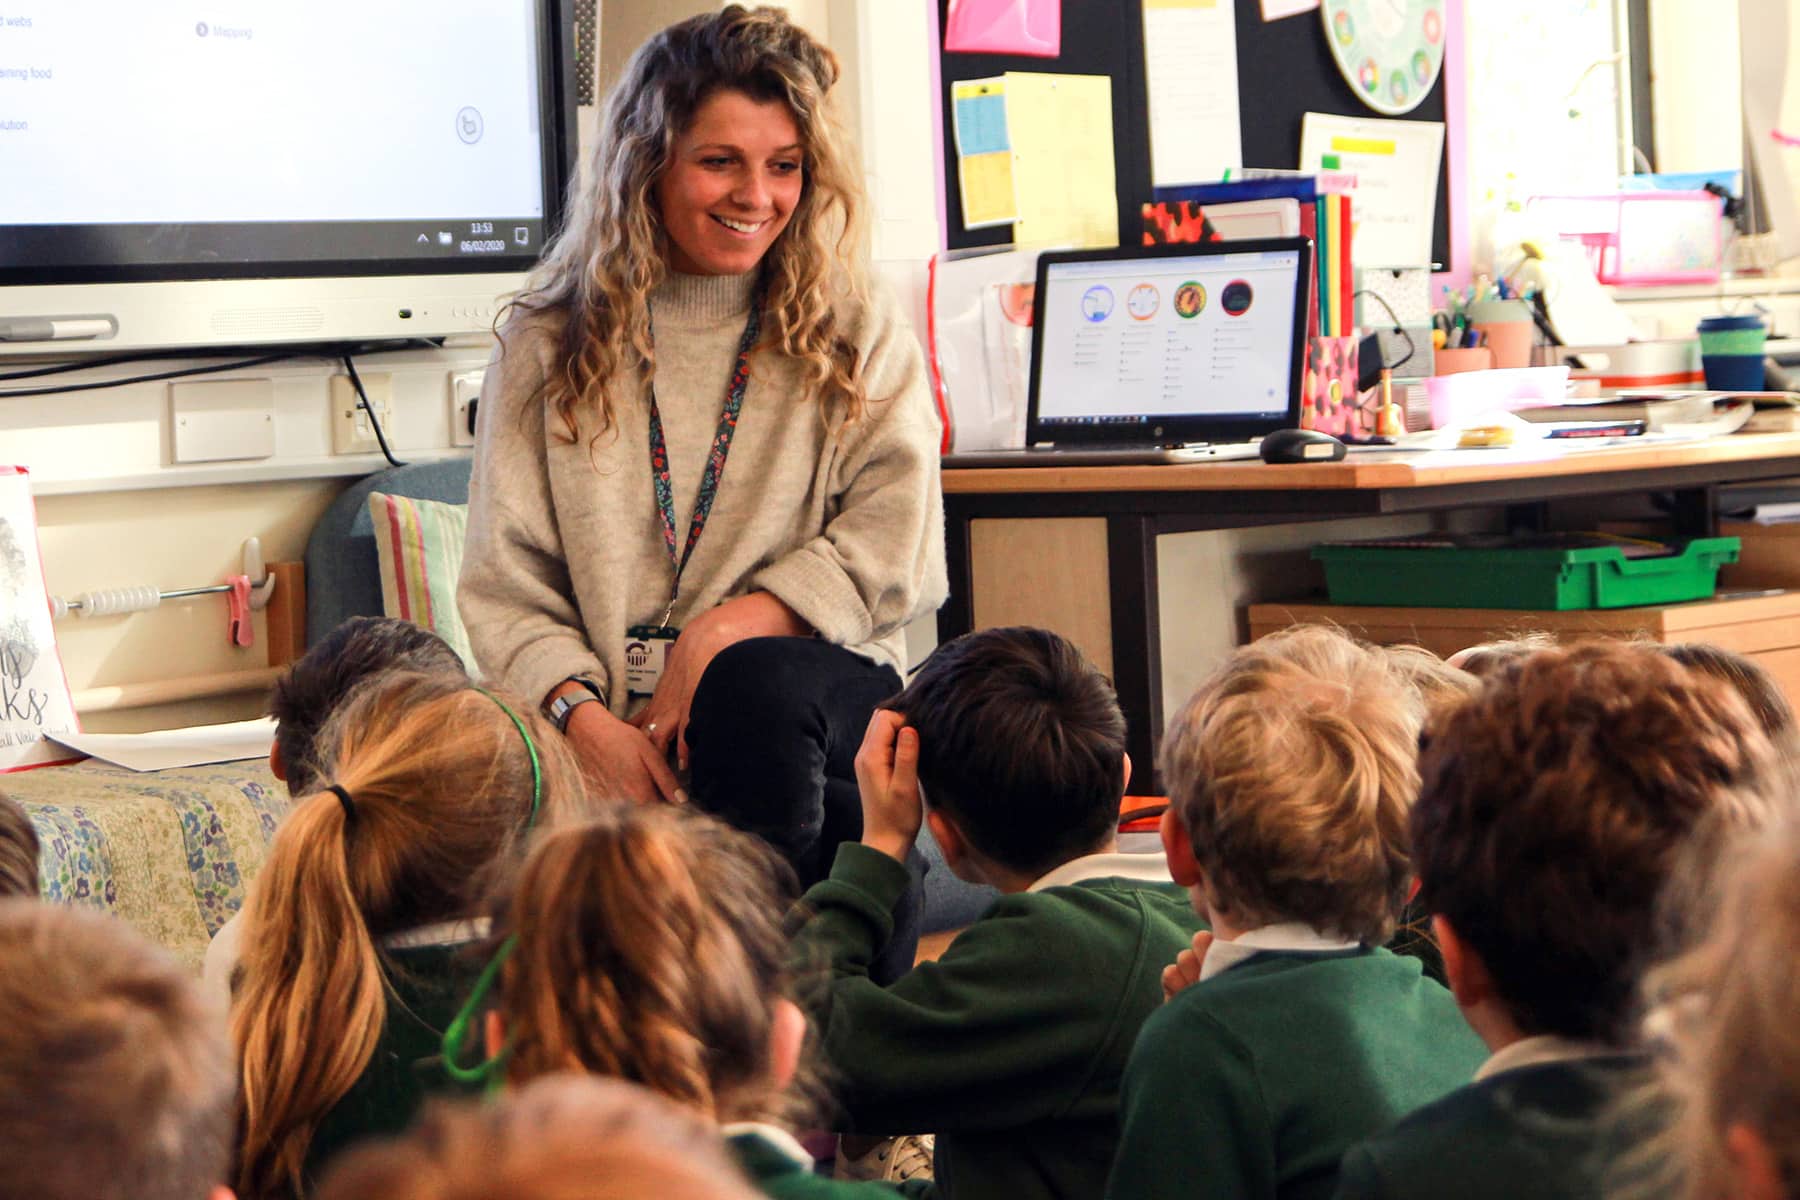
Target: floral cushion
x=171, y=852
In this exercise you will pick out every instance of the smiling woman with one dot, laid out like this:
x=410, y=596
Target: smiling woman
x=698, y=632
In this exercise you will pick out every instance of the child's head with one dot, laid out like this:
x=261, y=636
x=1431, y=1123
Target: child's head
x=1488, y=657
x=324, y=677
x=1437, y=683
x=1290, y=773
x=1552, y=810
x=18, y=850
x=1021, y=747
x=650, y=947
x=1733, y=1068
x=115, y=1076
x=1757, y=687
x=565, y=1137
x=437, y=785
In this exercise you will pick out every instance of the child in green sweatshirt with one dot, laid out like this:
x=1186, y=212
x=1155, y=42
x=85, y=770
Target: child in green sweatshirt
x=1291, y=1033
x=1552, y=808
x=1011, y=1046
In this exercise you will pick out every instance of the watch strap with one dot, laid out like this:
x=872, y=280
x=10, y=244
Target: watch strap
x=563, y=707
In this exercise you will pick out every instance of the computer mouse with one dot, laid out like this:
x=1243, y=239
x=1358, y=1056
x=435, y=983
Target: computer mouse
x=1300, y=446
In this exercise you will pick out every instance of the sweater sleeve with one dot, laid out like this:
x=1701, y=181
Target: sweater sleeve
x=1193, y=1117
x=514, y=593
x=989, y=1036
x=879, y=562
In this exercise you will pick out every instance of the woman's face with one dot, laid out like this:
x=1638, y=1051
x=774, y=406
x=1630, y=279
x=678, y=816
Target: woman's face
x=731, y=185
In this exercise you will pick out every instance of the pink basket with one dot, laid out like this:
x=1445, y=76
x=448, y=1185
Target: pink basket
x=1641, y=237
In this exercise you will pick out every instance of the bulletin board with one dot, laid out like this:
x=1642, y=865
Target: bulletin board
x=1285, y=70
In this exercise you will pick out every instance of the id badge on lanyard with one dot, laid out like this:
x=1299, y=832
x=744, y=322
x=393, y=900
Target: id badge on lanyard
x=647, y=646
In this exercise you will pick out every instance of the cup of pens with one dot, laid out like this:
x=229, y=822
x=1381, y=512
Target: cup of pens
x=1504, y=327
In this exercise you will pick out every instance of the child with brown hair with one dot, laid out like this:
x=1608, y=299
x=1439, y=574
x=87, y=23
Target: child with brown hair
x=1290, y=775
x=1553, y=809
x=1010, y=1047
x=353, y=933
x=115, y=1080
x=647, y=944
x=19, y=850
x=1732, y=1066
x=566, y=1137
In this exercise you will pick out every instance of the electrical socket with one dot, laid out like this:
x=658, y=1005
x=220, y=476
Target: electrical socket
x=351, y=432
x=465, y=390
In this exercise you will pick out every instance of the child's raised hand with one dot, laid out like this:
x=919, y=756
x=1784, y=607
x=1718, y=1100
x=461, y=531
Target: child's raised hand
x=1184, y=972
x=887, y=775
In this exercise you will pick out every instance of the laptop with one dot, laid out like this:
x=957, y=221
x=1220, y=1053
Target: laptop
x=1162, y=354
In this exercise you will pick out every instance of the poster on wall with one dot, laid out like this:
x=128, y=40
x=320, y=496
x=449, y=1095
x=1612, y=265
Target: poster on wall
x=34, y=694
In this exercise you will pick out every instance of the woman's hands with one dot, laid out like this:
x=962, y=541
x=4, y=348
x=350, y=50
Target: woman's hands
x=620, y=759
x=758, y=614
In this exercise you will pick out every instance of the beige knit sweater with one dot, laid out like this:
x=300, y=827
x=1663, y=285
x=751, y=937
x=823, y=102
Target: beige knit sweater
x=565, y=548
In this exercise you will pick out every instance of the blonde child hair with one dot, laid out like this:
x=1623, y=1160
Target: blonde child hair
x=649, y=946
x=1292, y=770
x=566, y=1137
x=1731, y=1064
x=115, y=1076
x=437, y=788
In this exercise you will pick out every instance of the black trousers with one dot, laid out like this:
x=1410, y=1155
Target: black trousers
x=772, y=739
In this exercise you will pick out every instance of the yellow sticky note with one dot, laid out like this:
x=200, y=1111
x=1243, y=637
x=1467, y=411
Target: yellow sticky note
x=1061, y=132
x=987, y=189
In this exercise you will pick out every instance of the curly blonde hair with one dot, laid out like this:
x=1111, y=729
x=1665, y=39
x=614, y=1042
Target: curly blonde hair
x=1293, y=769
x=597, y=275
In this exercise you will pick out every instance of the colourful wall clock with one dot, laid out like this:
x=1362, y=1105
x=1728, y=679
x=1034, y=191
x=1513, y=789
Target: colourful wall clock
x=1390, y=51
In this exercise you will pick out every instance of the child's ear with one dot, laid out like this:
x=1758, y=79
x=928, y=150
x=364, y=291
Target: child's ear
x=949, y=838
x=494, y=1029
x=1178, y=848
x=1125, y=782
x=1467, y=975
x=786, y=1035
x=1753, y=1163
x=277, y=768
x=222, y=1193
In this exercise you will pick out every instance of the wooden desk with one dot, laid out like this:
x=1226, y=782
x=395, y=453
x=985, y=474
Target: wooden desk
x=1074, y=548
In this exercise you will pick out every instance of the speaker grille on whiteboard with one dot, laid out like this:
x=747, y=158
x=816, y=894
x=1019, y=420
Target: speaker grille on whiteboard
x=584, y=50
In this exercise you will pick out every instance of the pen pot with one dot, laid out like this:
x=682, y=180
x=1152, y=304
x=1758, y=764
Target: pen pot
x=1505, y=328
x=1731, y=352
x=1451, y=362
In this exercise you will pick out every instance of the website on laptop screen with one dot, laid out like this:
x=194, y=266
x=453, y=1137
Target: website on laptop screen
x=1209, y=335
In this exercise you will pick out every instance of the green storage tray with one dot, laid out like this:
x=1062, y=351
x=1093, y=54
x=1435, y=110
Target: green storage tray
x=1551, y=572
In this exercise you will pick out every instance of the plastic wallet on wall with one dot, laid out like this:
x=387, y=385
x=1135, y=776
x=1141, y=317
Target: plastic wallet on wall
x=1032, y=27
x=979, y=334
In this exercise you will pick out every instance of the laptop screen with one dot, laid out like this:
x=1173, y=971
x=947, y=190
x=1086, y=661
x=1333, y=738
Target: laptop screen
x=1169, y=344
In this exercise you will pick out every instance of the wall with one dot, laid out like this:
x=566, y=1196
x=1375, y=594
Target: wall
x=116, y=511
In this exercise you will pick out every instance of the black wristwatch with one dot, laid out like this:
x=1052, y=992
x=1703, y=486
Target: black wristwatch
x=563, y=707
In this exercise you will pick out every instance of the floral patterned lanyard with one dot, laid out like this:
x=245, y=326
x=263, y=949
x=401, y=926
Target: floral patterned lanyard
x=715, y=460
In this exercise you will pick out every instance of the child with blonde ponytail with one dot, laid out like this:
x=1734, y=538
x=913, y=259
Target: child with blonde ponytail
x=647, y=944
x=355, y=931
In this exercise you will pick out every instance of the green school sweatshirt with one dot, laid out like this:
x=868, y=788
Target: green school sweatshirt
x=1254, y=1082
x=426, y=986
x=1011, y=1046
x=1550, y=1131
x=786, y=1174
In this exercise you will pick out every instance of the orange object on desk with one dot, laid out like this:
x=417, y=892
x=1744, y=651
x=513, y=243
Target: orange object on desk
x=1452, y=362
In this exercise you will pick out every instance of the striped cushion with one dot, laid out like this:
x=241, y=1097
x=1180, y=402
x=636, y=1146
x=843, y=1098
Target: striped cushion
x=420, y=545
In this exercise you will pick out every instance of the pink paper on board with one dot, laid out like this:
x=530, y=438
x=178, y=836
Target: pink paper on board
x=1032, y=27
